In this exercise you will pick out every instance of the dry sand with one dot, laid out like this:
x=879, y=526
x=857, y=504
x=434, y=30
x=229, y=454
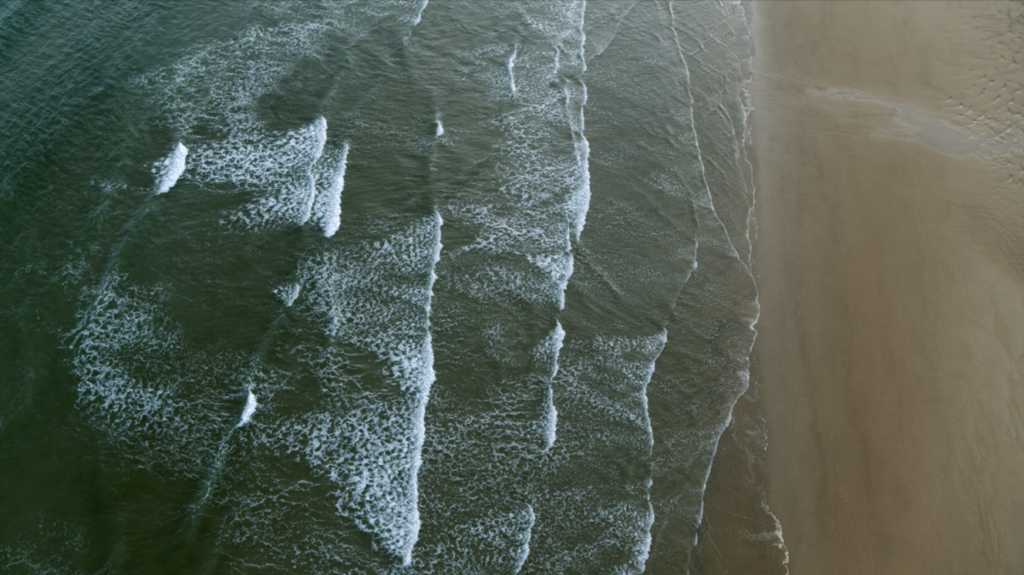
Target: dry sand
x=890, y=262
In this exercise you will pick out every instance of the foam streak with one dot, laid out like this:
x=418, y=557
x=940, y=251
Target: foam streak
x=575, y=100
x=511, y=72
x=319, y=139
x=328, y=204
x=524, y=551
x=249, y=409
x=374, y=298
x=424, y=395
x=171, y=168
x=419, y=14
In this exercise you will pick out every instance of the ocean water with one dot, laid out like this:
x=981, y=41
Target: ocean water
x=353, y=286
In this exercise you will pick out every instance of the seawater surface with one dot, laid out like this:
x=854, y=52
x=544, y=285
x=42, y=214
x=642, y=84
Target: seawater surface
x=353, y=286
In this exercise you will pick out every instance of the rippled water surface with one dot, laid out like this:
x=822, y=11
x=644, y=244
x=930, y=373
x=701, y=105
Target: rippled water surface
x=458, y=286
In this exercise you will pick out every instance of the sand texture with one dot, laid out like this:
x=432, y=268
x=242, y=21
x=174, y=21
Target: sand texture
x=890, y=263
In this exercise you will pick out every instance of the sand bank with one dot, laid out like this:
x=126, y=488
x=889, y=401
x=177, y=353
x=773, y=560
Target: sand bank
x=890, y=263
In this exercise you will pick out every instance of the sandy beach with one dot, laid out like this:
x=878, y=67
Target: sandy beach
x=890, y=264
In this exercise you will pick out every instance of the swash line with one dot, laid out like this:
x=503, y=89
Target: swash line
x=728, y=241
x=696, y=140
x=748, y=108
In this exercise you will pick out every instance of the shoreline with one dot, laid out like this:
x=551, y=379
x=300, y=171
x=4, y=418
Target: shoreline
x=888, y=261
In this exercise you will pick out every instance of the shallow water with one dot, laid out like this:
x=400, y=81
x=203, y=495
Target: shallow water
x=369, y=287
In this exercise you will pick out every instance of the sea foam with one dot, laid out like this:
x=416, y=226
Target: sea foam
x=590, y=511
x=232, y=148
x=572, y=69
x=249, y=409
x=546, y=353
x=524, y=549
x=170, y=168
x=317, y=144
x=328, y=201
x=134, y=368
x=546, y=356
x=550, y=422
x=374, y=298
x=288, y=293
x=511, y=69
x=523, y=220
x=419, y=13
x=542, y=176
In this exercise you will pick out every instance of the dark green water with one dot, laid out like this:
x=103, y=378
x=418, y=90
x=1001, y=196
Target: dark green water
x=364, y=287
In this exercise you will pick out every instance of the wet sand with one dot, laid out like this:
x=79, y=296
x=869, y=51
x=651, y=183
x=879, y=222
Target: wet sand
x=890, y=263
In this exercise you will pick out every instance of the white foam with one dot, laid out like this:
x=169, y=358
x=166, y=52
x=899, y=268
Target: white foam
x=619, y=371
x=524, y=550
x=511, y=72
x=134, y=372
x=546, y=354
x=579, y=204
x=319, y=139
x=419, y=14
x=544, y=179
x=120, y=320
x=375, y=297
x=559, y=268
x=575, y=101
x=522, y=253
x=366, y=452
x=280, y=167
x=250, y=408
x=542, y=175
x=230, y=143
x=288, y=293
x=170, y=168
x=435, y=255
x=642, y=548
x=602, y=389
x=439, y=130
x=328, y=205
x=550, y=420
x=428, y=380
x=776, y=535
